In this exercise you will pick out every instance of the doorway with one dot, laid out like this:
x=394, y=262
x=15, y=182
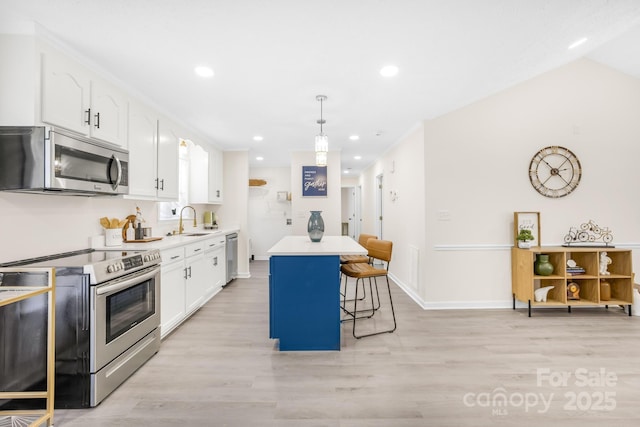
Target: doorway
x=351, y=211
x=379, y=206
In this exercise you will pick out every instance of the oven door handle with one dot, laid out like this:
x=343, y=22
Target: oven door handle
x=106, y=289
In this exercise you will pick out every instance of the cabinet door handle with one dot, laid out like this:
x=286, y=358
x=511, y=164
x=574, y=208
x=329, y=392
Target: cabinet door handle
x=185, y=274
x=97, y=123
x=162, y=184
x=217, y=193
x=157, y=183
x=215, y=261
x=175, y=256
x=189, y=272
x=88, y=112
x=197, y=250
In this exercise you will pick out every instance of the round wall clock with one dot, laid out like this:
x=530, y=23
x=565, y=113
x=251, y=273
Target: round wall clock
x=555, y=171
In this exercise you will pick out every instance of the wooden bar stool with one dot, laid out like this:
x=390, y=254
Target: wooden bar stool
x=351, y=259
x=380, y=250
x=354, y=259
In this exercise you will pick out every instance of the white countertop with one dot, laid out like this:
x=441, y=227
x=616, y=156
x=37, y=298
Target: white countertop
x=168, y=242
x=329, y=245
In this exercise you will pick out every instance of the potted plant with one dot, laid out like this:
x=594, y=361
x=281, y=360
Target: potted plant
x=524, y=238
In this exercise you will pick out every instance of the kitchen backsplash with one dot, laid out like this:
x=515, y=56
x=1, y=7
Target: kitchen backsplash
x=34, y=225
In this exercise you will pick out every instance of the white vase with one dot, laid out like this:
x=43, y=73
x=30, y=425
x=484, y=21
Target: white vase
x=112, y=236
x=524, y=244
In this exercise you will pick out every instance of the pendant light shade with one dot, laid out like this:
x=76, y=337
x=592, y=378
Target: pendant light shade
x=322, y=140
x=322, y=143
x=321, y=158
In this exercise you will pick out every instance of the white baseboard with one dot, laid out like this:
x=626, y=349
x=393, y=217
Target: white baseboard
x=407, y=290
x=449, y=305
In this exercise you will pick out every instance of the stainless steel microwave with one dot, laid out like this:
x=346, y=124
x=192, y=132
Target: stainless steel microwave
x=47, y=160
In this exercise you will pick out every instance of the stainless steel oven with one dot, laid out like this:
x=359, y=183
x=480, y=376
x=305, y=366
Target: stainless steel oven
x=107, y=321
x=125, y=314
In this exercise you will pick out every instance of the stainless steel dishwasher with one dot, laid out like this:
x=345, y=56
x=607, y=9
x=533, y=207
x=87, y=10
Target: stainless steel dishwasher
x=232, y=257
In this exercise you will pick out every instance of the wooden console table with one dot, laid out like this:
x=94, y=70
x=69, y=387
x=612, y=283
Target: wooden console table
x=524, y=281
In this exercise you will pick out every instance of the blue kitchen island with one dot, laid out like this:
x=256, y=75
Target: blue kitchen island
x=304, y=291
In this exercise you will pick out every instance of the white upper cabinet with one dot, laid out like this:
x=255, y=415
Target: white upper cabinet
x=168, y=160
x=153, y=155
x=65, y=94
x=205, y=181
x=215, y=176
x=40, y=85
x=198, y=175
x=143, y=133
x=77, y=100
x=108, y=113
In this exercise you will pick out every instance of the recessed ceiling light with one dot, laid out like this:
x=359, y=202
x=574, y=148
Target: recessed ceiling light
x=389, y=71
x=357, y=157
x=354, y=137
x=258, y=138
x=259, y=158
x=346, y=172
x=204, y=71
x=578, y=43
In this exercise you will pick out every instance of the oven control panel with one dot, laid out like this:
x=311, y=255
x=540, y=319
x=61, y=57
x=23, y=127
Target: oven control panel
x=132, y=262
x=116, y=267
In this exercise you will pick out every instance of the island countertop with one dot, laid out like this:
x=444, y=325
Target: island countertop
x=329, y=245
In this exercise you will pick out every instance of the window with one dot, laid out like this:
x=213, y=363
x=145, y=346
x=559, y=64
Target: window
x=171, y=210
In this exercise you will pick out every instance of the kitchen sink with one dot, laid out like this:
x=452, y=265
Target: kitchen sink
x=196, y=234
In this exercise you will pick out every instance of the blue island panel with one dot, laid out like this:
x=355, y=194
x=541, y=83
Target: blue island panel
x=304, y=298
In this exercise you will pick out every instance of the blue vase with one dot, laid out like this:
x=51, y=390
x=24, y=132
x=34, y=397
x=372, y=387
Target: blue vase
x=315, y=226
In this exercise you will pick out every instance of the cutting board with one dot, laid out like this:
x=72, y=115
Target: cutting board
x=148, y=239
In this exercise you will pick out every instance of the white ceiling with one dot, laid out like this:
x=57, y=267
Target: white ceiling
x=272, y=57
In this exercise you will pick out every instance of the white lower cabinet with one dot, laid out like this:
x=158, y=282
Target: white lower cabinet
x=195, y=276
x=216, y=267
x=190, y=275
x=172, y=289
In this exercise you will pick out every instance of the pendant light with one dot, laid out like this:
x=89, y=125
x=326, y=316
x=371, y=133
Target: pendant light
x=322, y=140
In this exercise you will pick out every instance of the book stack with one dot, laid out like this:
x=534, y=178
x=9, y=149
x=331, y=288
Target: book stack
x=574, y=271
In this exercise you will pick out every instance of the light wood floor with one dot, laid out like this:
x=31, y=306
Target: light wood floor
x=440, y=368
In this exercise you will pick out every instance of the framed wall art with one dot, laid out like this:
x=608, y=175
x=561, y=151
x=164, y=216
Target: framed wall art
x=314, y=181
x=528, y=221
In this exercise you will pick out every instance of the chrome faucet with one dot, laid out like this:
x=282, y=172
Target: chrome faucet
x=195, y=222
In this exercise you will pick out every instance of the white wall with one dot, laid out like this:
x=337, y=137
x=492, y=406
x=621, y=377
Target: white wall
x=347, y=210
x=268, y=216
x=455, y=205
x=403, y=173
x=233, y=211
x=16, y=84
x=476, y=161
x=35, y=225
x=330, y=205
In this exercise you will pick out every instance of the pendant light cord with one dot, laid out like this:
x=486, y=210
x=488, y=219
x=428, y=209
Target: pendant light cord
x=321, y=119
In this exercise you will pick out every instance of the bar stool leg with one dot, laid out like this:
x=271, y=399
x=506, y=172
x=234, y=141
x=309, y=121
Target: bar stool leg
x=395, y=325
